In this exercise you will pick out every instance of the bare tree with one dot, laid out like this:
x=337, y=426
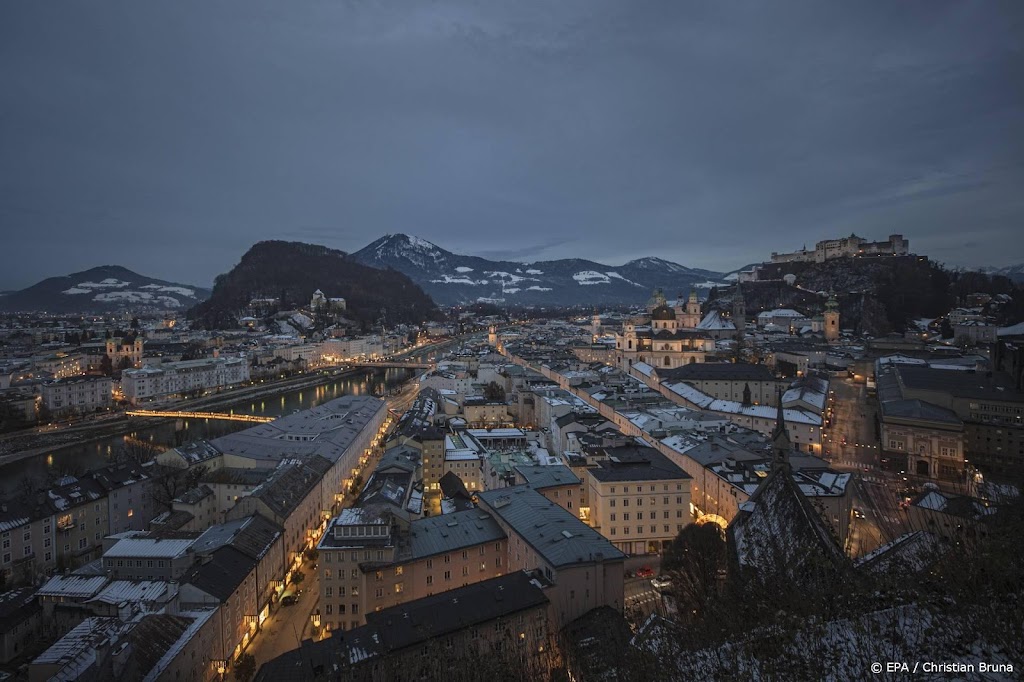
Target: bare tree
x=135, y=451
x=170, y=482
x=696, y=563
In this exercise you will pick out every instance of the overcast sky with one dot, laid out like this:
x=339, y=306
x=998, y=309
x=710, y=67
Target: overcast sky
x=169, y=137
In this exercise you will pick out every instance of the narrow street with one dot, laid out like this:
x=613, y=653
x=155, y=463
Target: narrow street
x=287, y=626
x=851, y=441
x=852, y=446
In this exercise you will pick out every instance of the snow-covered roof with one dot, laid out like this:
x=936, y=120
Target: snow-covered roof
x=73, y=586
x=714, y=321
x=152, y=548
x=131, y=590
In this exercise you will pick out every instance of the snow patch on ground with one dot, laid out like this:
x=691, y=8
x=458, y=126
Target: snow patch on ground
x=506, y=277
x=169, y=301
x=76, y=290
x=448, y=279
x=591, y=277
x=300, y=320
x=510, y=290
x=422, y=243
x=532, y=271
x=109, y=283
x=536, y=288
x=463, y=268
x=170, y=290
x=132, y=296
x=618, y=276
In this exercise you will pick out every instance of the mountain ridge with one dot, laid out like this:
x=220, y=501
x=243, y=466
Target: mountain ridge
x=103, y=288
x=453, y=279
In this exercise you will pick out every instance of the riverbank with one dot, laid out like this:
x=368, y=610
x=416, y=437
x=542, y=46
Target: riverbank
x=19, y=447
x=34, y=444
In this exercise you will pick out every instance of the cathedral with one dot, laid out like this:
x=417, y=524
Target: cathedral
x=666, y=337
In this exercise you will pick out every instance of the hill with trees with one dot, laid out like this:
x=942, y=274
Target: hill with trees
x=876, y=295
x=289, y=273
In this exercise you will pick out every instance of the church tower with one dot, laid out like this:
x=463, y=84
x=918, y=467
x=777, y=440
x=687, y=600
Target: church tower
x=781, y=444
x=595, y=326
x=739, y=312
x=692, y=317
x=832, y=319
x=492, y=335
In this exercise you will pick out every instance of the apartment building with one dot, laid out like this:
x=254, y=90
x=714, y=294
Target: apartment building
x=174, y=378
x=78, y=395
x=370, y=561
x=639, y=499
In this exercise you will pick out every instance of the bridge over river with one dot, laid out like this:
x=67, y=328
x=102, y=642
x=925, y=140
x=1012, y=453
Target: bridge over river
x=225, y=416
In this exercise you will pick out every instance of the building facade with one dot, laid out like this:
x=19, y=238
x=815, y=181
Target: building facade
x=174, y=378
x=78, y=395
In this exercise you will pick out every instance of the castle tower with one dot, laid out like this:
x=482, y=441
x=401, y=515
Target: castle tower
x=739, y=312
x=781, y=444
x=832, y=319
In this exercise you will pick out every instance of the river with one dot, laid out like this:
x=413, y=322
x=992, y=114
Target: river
x=76, y=459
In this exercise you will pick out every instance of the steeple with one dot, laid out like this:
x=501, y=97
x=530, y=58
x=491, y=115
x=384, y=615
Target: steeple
x=739, y=312
x=781, y=444
x=831, y=318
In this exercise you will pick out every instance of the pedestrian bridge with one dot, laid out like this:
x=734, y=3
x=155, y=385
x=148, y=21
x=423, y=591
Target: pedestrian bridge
x=225, y=416
x=389, y=364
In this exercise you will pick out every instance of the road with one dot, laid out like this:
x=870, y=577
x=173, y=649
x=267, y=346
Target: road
x=287, y=626
x=850, y=441
x=851, y=445
x=883, y=520
x=641, y=599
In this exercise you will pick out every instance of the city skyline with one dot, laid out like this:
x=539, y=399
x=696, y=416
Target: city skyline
x=169, y=139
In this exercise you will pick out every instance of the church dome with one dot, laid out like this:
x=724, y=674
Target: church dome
x=663, y=312
x=657, y=299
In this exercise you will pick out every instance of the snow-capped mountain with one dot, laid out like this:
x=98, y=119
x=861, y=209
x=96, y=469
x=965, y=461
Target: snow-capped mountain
x=103, y=289
x=1014, y=272
x=451, y=278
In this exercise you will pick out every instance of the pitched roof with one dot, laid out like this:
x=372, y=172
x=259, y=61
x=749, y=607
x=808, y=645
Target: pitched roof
x=778, y=532
x=557, y=535
x=221, y=575
x=718, y=371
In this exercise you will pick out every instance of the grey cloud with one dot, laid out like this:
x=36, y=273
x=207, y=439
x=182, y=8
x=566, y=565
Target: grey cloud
x=170, y=137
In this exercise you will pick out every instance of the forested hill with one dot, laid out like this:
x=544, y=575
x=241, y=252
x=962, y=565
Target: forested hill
x=292, y=271
x=878, y=295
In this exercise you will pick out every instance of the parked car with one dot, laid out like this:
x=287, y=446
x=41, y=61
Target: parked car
x=644, y=572
x=858, y=513
x=662, y=582
x=289, y=600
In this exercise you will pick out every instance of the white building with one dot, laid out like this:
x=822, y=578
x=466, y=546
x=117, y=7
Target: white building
x=78, y=394
x=352, y=347
x=172, y=378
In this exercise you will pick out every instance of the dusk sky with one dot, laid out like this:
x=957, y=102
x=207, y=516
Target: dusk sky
x=170, y=137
